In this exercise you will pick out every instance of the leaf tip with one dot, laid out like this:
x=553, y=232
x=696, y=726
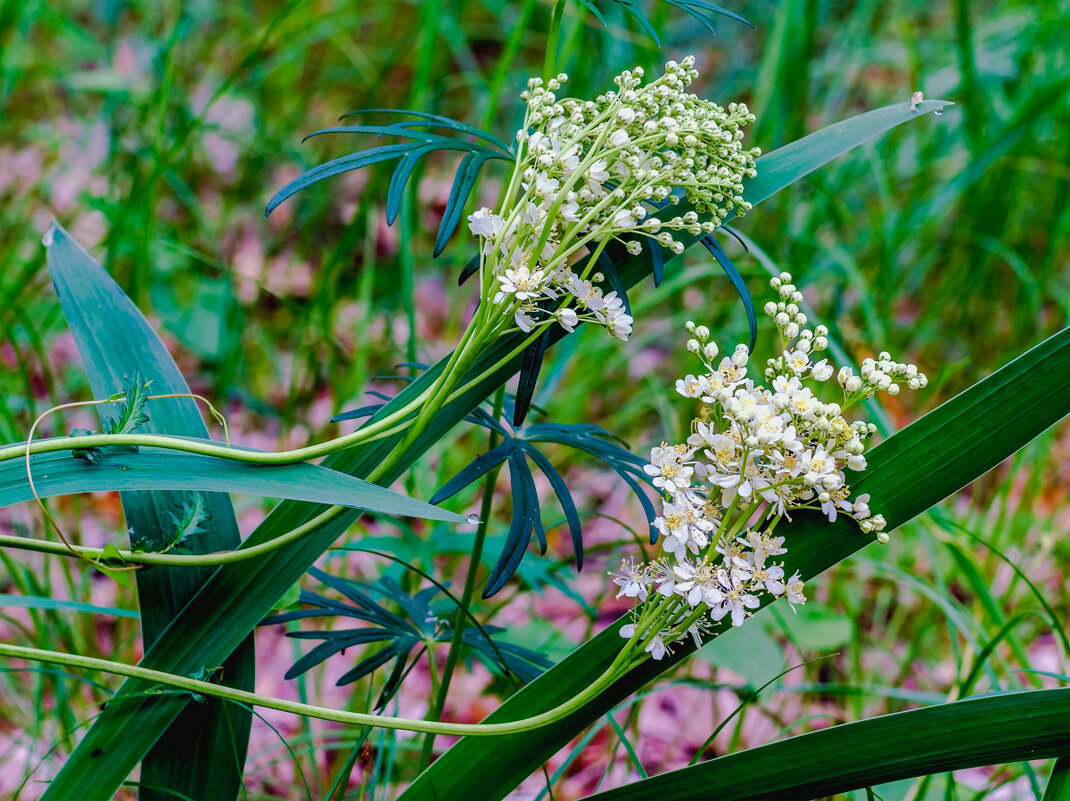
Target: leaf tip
x=50, y=233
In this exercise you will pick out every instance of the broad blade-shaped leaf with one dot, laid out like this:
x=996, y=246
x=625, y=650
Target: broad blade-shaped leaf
x=239, y=596
x=156, y=469
x=978, y=731
x=115, y=343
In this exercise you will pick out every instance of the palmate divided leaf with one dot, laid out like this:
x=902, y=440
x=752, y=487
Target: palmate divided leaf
x=420, y=623
x=701, y=11
x=517, y=448
x=409, y=154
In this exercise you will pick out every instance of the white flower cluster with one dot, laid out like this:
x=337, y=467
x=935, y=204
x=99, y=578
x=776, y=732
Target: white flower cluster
x=591, y=171
x=755, y=454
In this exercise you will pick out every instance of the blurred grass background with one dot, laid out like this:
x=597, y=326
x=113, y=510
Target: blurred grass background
x=157, y=131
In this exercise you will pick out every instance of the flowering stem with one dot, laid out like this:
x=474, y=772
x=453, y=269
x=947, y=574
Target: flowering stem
x=462, y=356
x=294, y=707
x=529, y=340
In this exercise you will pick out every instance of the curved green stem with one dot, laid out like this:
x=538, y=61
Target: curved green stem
x=377, y=430
x=175, y=560
x=297, y=708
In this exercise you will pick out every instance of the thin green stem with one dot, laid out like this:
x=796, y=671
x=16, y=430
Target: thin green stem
x=369, y=433
x=322, y=713
x=175, y=560
x=475, y=381
x=460, y=619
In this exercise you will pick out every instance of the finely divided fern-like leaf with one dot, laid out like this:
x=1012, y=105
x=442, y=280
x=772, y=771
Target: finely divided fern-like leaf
x=191, y=519
x=89, y=455
x=421, y=143
x=131, y=411
x=131, y=416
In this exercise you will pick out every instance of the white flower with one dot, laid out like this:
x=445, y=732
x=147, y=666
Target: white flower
x=545, y=185
x=794, y=590
x=669, y=469
x=522, y=282
x=619, y=325
x=524, y=322
x=485, y=223
x=691, y=387
x=822, y=371
x=624, y=219
x=737, y=603
x=597, y=175
x=656, y=648
x=567, y=318
x=687, y=583
x=632, y=580
x=797, y=361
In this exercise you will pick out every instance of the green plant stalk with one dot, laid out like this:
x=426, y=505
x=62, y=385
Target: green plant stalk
x=552, y=41
x=460, y=619
x=200, y=687
x=379, y=430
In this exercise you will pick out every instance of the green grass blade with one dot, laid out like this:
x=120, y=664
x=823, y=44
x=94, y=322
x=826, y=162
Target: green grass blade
x=914, y=469
x=985, y=730
x=150, y=469
x=37, y=602
x=239, y=596
x=1058, y=787
x=115, y=341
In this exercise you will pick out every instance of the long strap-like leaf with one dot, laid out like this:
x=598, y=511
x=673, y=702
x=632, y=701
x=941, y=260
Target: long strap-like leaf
x=986, y=730
x=238, y=597
x=203, y=751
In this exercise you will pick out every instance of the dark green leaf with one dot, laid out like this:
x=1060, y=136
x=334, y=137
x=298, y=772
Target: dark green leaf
x=986, y=730
x=529, y=376
x=116, y=343
x=714, y=247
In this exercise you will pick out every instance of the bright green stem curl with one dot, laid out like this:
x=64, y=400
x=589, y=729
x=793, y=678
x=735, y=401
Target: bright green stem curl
x=208, y=688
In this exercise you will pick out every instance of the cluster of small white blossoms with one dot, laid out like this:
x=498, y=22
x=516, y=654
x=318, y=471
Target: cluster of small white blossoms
x=755, y=454
x=591, y=171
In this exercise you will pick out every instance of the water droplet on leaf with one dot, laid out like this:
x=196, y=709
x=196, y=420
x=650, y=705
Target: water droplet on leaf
x=50, y=235
x=474, y=520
